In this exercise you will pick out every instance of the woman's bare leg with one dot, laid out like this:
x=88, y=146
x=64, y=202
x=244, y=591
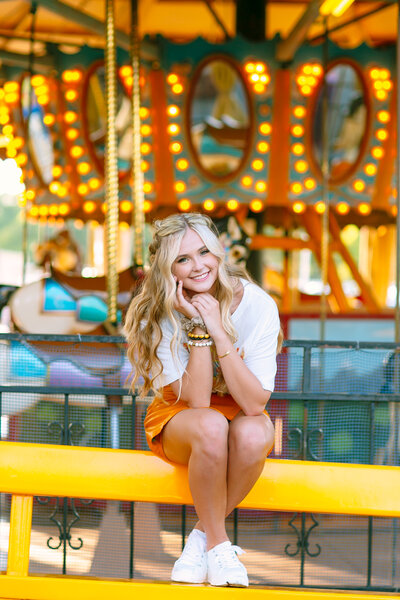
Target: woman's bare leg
x=199, y=438
x=250, y=439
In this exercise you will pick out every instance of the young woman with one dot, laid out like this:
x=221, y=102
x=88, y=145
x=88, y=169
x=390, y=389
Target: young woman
x=204, y=338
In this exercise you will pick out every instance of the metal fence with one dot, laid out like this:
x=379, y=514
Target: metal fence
x=334, y=401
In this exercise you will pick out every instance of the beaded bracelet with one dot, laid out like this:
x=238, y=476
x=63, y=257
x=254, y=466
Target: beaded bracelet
x=198, y=336
x=200, y=344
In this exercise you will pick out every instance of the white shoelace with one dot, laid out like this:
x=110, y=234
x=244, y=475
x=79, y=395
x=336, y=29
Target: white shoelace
x=227, y=557
x=191, y=553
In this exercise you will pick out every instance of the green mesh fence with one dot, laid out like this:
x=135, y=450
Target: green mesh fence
x=337, y=402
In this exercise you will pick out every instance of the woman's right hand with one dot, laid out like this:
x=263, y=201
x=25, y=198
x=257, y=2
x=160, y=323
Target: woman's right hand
x=183, y=303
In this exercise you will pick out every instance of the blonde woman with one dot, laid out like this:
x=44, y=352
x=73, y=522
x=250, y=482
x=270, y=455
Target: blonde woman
x=204, y=338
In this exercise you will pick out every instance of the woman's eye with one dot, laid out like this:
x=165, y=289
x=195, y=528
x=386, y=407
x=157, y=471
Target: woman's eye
x=205, y=251
x=181, y=260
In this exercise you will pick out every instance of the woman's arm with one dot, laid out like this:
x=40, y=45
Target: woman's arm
x=242, y=384
x=196, y=385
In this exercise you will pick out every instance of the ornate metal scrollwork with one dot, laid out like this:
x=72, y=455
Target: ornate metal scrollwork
x=305, y=441
x=303, y=535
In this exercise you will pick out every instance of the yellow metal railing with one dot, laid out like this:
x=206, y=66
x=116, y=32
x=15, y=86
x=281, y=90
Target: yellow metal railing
x=27, y=470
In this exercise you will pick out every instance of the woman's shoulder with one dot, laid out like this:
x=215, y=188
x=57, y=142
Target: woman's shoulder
x=254, y=294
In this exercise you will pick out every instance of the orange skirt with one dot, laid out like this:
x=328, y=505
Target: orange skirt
x=161, y=410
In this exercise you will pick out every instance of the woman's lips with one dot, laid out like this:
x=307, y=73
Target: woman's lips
x=201, y=277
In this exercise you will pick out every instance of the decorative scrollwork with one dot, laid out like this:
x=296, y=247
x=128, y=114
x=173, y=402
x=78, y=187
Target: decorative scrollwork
x=305, y=442
x=296, y=434
x=75, y=429
x=64, y=528
x=313, y=436
x=302, y=537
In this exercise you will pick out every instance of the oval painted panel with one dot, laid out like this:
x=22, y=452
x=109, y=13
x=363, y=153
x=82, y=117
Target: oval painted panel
x=347, y=121
x=219, y=119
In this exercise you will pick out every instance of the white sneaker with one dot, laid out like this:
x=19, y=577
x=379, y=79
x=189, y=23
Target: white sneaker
x=191, y=566
x=224, y=567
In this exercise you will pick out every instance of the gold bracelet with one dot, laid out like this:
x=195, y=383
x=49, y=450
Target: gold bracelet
x=226, y=354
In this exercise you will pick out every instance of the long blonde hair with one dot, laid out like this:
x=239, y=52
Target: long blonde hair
x=155, y=301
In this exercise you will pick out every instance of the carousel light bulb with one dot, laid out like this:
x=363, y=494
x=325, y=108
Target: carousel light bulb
x=296, y=187
x=383, y=116
x=298, y=149
x=145, y=148
x=359, y=185
x=173, y=129
x=173, y=110
x=297, y=130
x=76, y=151
x=147, y=206
x=177, y=88
x=298, y=207
x=249, y=67
x=180, y=186
x=263, y=147
x=257, y=164
x=182, y=164
x=259, y=88
x=72, y=134
x=364, y=208
x=94, y=183
x=208, y=204
x=175, y=147
x=342, y=208
x=71, y=95
x=37, y=80
x=381, y=134
x=63, y=209
x=83, y=168
x=147, y=187
x=49, y=119
x=261, y=186
x=56, y=171
x=256, y=205
x=125, y=71
x=377, y=152
x=310, y=183
x=125, y=206
x=299, y=112
x=83, y=189
x=184, y=205
x=70, y=116
x=172, y=78
x=265, y=128
x=301, y=166
x=370, y=169
x=89, y=206
x=232, y=204
x=320, y=207
x=144, y=113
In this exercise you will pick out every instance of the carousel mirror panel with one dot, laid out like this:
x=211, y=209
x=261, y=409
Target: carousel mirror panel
x=219, y=118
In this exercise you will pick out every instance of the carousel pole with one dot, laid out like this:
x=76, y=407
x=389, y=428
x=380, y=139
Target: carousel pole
x=325, y=192
x=137, y=174
x=111, y=166
x=397, y=308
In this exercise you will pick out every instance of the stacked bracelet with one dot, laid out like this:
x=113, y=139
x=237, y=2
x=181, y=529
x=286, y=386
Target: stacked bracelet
x=201, y=344
x=198, y=336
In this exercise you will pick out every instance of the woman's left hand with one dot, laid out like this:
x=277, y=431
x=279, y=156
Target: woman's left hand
x=209, y=310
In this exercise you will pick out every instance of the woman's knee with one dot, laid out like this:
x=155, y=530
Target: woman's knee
x=211, y=433
x=251, y=437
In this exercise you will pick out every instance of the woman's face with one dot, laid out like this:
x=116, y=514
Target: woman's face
x=195, y=265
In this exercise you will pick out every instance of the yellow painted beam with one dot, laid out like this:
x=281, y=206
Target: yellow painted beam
x=65, y=588
x=20, y=535
x=49, y=470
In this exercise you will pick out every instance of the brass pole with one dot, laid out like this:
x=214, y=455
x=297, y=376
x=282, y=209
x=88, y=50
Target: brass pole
x=325, y=192
x=397, y=91
x=111, y=165
x=137, y=174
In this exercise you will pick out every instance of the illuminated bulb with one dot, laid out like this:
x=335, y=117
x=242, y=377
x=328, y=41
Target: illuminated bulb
x=377, y=152
x=63, y=209
x=182, y=164
x=173, y=129
x=172, y=78
x=177, y=88
x=319, y=207
x=184, y=204
x=260, y=186
x=44, y=99
x=301, y=166
x=144, y=112
x=298, y=149
x=297, y=130
x=49, y=119
x=265, y=79
x=147, y=206
x=8, y=130
x=370, y=169
x=342, y=208
x=316, y=70
x=125, y=206
x=305, y=90
x=62, y=191
x=56, y=171
x=76, y=151
x=71, y=95
x=249, y=67
x=53, y=210
x=254, y=78
x=30, y=194
x=34, y=211
x=18, y=142
x=256, y=206
x=147, y=187
x=54, y=187
x=70, y=116
x=299, y=112
x=265, y=128
x=175, y=147
x=381, y=95
x=83, y=189
x=298, y=207
x=144, y=165
x=125, y=71
x=296, y=187
x=381, y=134
x=383, y=116
x=247, y=181
x=359, y=185
x=11, y=87
x=384, y=74
x=145, y=148
x=89, y=206
x=180, y=186
x=263, y=147
x=145, y=130
x=173, y=110
x=21, y=159
x=94, y=183
x=209, y=204
x=11, y=98
x=232, y=204
x=37, y=80
x=257, y=164
x=260, y=68
x=394, y=210
x=374, y=73
x=43, y=210
x=104, y=207
x=310, y=183
x=72, y=134
x=364, y=208
x=83, y=168
x=259, y=88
